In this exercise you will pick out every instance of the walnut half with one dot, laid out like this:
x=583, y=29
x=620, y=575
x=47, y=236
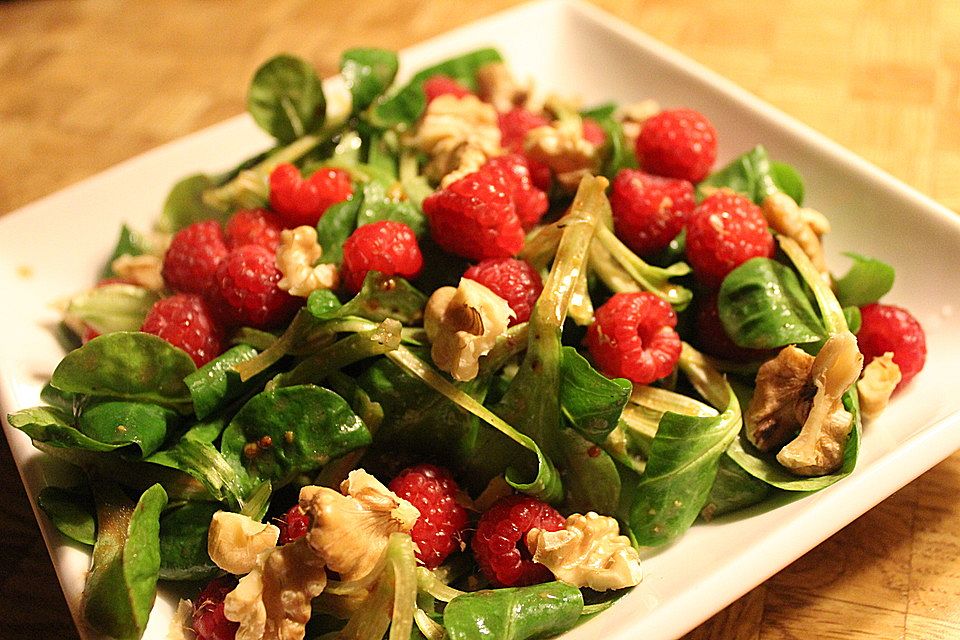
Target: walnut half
x=880, y=379
x=234, y=541
x=588, y=552
x=463, y=324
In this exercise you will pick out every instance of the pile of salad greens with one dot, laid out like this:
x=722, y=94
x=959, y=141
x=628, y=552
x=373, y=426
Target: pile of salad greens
x=350, y=383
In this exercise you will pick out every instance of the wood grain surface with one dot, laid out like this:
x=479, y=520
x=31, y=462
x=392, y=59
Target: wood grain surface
x=86, y=84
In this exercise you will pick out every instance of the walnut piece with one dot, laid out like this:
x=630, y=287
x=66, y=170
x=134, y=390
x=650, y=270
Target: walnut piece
x=463, y=324
x=296, y=259
x=234, y=541
x=818, y=449
x=450, y=127
x=350, y=530
x=588, y=552
x=272, y=602
x=144, y=270
x=562, y=147
x=181, y=624
x=878, y=382
x=497, y=86
x=772, y=418
x=632, y=117
x=787, y=218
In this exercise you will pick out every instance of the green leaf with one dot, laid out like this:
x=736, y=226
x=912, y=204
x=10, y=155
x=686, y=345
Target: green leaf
x=216, y=384
x=130, y=243
x=377, y=205
x=122, y=583
x=307, y=426
x=590, y=478
x=787, y=180
x=734, y=489
x=684, y=458
x=335, y=226
x=195, y=455
x=323, y=304
x=112, y=307
x=185, y=204
x=183, y=542
x=405, y=106
x=128, y=365
x=853, y=318
x=763, y=306
x=755, y=176
x=71, y=511
x=866, y=282
x=286, y=98
x=368, y=74
x=519, y=613
x=122, y=422
x=765, y=467
x=590, y=401
x=384, y=297
x=55, y=428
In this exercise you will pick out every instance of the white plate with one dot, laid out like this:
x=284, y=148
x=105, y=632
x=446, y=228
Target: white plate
x=55, y=247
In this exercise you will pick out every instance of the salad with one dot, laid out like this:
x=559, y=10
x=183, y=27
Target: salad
x=448, y=359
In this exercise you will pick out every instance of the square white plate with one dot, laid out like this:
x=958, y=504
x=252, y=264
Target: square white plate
x=56, y=246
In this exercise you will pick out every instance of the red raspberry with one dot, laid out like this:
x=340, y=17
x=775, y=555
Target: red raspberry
x=386, y=246
x=513, y=280
x=725, y=231
x=514, y=125
x=649, y=211
x=253, y=226
x=439, y=530
x=500, y=545
x=293, y=525
x=632, y=337
x=441, y=85
x=209, y=621
x=190, y=264
x=886, y=327
x=531, y=202
x=302, y=202
x=185, y=321
x=680, y=143
x=475, y=217
x=248, y=292
x=593, y=132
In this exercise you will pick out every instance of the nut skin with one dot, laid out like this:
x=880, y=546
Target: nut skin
x=234, y=541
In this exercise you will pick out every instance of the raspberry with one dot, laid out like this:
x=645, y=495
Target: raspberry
x=500, y=542
x=886, y=327
x=680, y=143
x=248, y=292
x=649, y=211
x=302, y=202
x=190, y=264
x=513, y=280
x=632, y=337
x=514, y=125
x=209, y=621
x=440, y=85
x=185, y=321
x=593, y=132
x=386, y=246
x=293, y=525
x=531, y=202
x=253, y=226
x=439, y=530
x=475, y=217
x=725, y=231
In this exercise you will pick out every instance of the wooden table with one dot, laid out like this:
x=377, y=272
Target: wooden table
x=84, y=85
